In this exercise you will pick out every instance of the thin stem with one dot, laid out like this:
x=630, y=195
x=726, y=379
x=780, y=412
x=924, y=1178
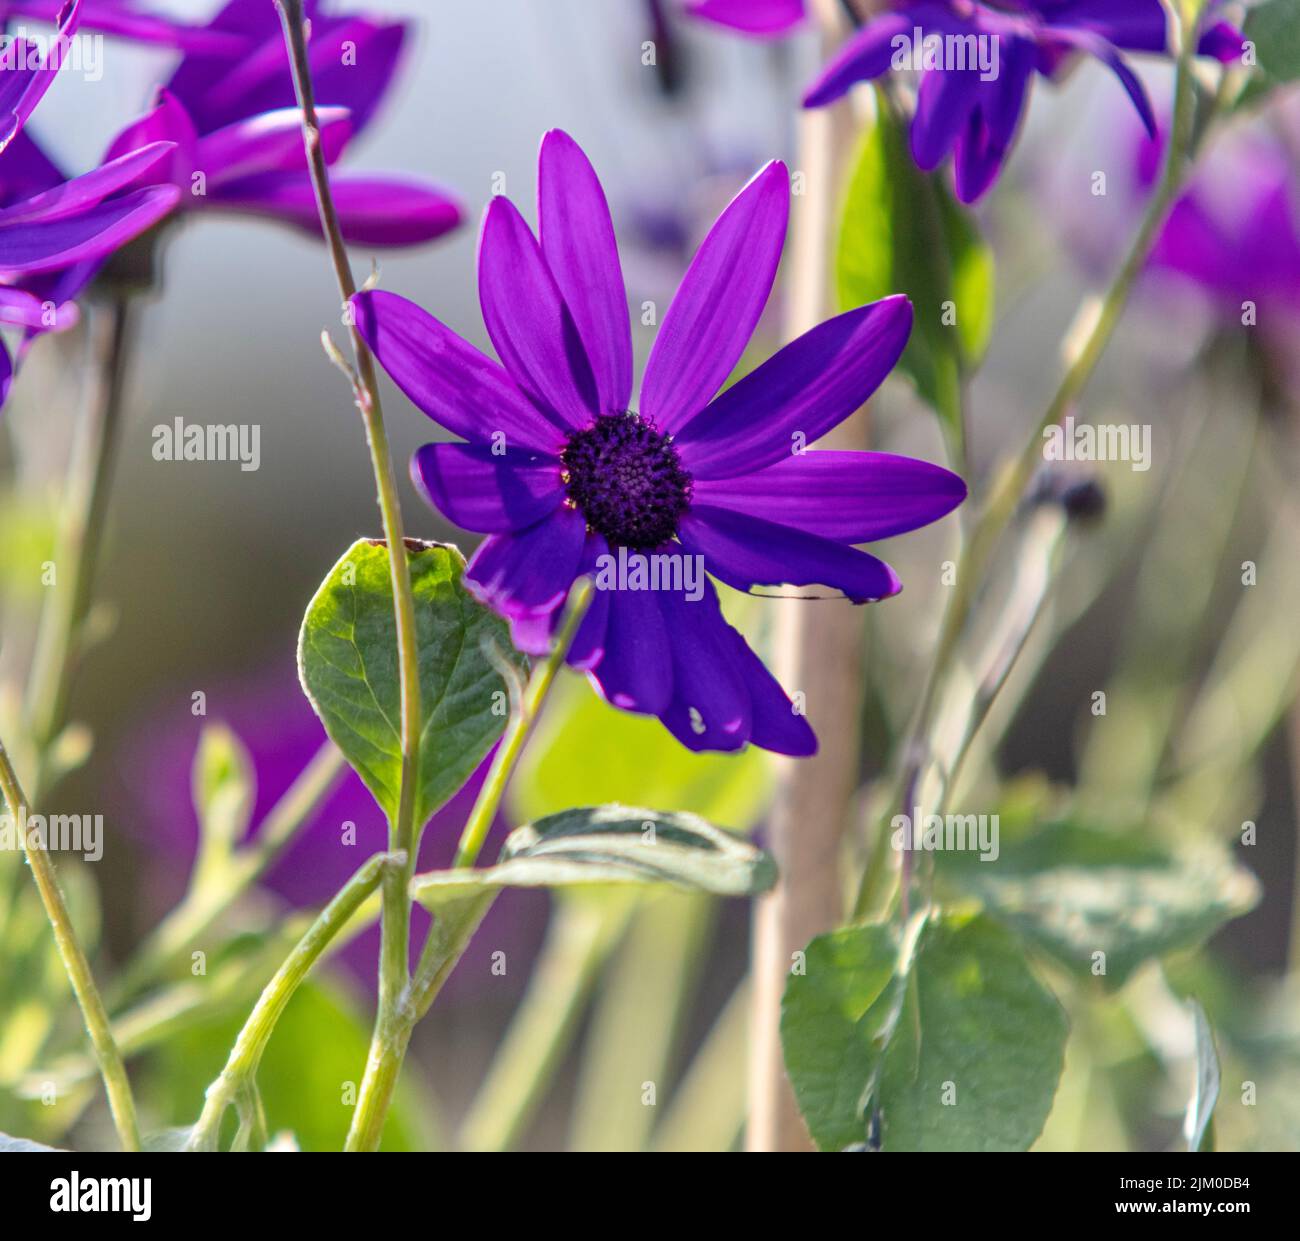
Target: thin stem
x=456, y=923
x=85, y=507
x=111, y=1067
x=395, y=927
x=367, y=393
x=241, y=1066
x=1010, y=487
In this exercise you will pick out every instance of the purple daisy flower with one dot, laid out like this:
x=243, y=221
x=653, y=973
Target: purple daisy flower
x=236, y=127
x=567, y=480
x=972, y=111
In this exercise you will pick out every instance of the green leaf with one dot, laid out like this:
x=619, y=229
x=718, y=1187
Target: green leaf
x=831, y=1055
x=947, y=1037
x=587, y=752
x=1274, y=28
x=1075, y=891
x=612, y=844
x=347, y=660
x=1199, y=1124
x=901, y=231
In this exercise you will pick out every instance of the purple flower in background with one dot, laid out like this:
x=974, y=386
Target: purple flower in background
x=48, y=224
x=236, y=127
x=566, y=480
x=764, y=18
x=1235, y=232
x=977, y=60
x=129, y=20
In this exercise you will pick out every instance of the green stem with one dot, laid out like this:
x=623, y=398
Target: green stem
x=111, y=1067
x=1010, y=487
x=241, y=1067
x=81, y=537
x=454, y=925
x=395, y=926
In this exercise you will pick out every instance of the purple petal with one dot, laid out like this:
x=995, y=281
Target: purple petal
x=117, y=17
x=448, y=379
x=577, y=237
x=353, y=60
x=22, y=88
x=943, y=107
x=6, y=373
x=710, y=709
x=803, y=390
x=1223, y=41
x=865, y=56
x=850, y=497
x=534, y=634
x=748, y=551
x=36, y=247
x=528, y=572
x=268, y=142
x=636, y=672
x=764, y=18
x=530, y=326
x=1138, y=25
x=75, y=196
x=26, y=170
x=775, y=724
x=718, y=303
x=1095, y=45
x=489, y=493
x=25, y=309
x=166, y=121
x=372, y=211
x=983, y=145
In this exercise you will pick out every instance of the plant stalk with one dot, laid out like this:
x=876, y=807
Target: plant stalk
x=111, y=1067
x=241, y=1066
x=395, y=932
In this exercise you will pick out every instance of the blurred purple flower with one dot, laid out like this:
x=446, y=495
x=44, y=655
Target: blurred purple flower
x=1235, y=232
x=566, y=480
x=972, y=110
x=237, y=128
x=48, y=224
x=281, y=732
x=129, y=20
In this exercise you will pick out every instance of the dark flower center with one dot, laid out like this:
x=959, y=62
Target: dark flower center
x=627, y=480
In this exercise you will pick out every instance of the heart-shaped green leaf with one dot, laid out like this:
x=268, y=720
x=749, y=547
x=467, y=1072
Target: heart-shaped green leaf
x=347, y=660
x=612, y=844
x=946, y=1038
